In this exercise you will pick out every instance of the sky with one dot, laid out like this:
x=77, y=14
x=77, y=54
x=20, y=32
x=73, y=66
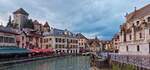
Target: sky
x=101, y=18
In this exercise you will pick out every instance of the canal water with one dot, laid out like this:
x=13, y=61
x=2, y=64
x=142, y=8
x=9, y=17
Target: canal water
x=60, y=63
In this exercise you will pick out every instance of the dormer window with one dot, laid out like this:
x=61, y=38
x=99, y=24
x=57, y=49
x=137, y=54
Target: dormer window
x=148, y=19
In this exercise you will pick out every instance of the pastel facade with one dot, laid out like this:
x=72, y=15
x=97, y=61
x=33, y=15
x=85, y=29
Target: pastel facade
x=95, y=45
x=32, y=34
x=83, y=42
x=115, y=43
x=135, y=32
x=62, y=41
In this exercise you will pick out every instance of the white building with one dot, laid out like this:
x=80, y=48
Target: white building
x=135, y=32
x=62, y=41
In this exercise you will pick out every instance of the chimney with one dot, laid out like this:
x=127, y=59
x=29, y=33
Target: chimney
x=134, y=9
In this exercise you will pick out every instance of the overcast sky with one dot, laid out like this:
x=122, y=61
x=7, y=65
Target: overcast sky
x=100, y=18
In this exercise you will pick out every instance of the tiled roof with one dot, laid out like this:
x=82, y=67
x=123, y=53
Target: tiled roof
x=30, y=32
x=35, y=22
x=8, y=30
x=20, y=11
x=91, y=41
x=79, y=35
x=59, y=32
x=140, y=13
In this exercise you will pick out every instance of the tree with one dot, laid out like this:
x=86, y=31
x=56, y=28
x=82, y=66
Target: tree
x=9, y=24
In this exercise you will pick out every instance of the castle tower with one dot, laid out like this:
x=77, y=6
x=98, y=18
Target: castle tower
x=20, y=18
x=46, y=27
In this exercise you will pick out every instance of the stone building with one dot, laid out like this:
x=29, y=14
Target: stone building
x=29, y=32
x=95, y=45
x=115, y=42
x=83, y=42
x=135, y=32
x=20, y=18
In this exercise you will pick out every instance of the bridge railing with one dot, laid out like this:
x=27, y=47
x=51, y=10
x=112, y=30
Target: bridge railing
x=137, y=60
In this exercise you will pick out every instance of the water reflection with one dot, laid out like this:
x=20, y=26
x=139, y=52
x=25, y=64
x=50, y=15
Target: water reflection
x=61, y=63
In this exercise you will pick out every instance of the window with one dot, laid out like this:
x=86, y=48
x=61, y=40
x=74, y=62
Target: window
x=63, y=40
x=149, y=47
x=149, y=31
x=138, y=48
x=1, y=39
x=46, y=46
x=137, y=23
x=148, y=19
x=130, y=37
x=50, y=39
x=56, y=39
x=127, y=48
x=59, y=40
x=140, y=34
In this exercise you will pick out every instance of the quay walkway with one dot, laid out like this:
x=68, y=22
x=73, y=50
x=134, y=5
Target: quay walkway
x=142, y=61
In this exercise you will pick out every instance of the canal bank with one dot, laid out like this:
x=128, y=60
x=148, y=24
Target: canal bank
x=99, y=62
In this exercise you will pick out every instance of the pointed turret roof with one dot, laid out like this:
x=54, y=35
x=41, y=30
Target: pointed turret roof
x=21, y=11
x=46, y=24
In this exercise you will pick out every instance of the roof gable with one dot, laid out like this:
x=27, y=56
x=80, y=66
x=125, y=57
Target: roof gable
x=21, y=11
x=140, y=13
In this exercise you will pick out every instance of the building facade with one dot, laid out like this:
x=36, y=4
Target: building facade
x=35, y=35
x=115, y=42
x=135, y=32
x=62, y=41
x=95, y=45
x=7, y=37
x=83, y=43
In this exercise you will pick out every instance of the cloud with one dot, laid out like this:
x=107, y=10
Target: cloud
x=100, y=18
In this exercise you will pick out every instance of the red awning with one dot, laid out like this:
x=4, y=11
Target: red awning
x=34, y=50
x=41, y=50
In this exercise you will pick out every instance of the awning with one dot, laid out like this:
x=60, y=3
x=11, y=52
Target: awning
x=41, y=50
x=13, y=50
